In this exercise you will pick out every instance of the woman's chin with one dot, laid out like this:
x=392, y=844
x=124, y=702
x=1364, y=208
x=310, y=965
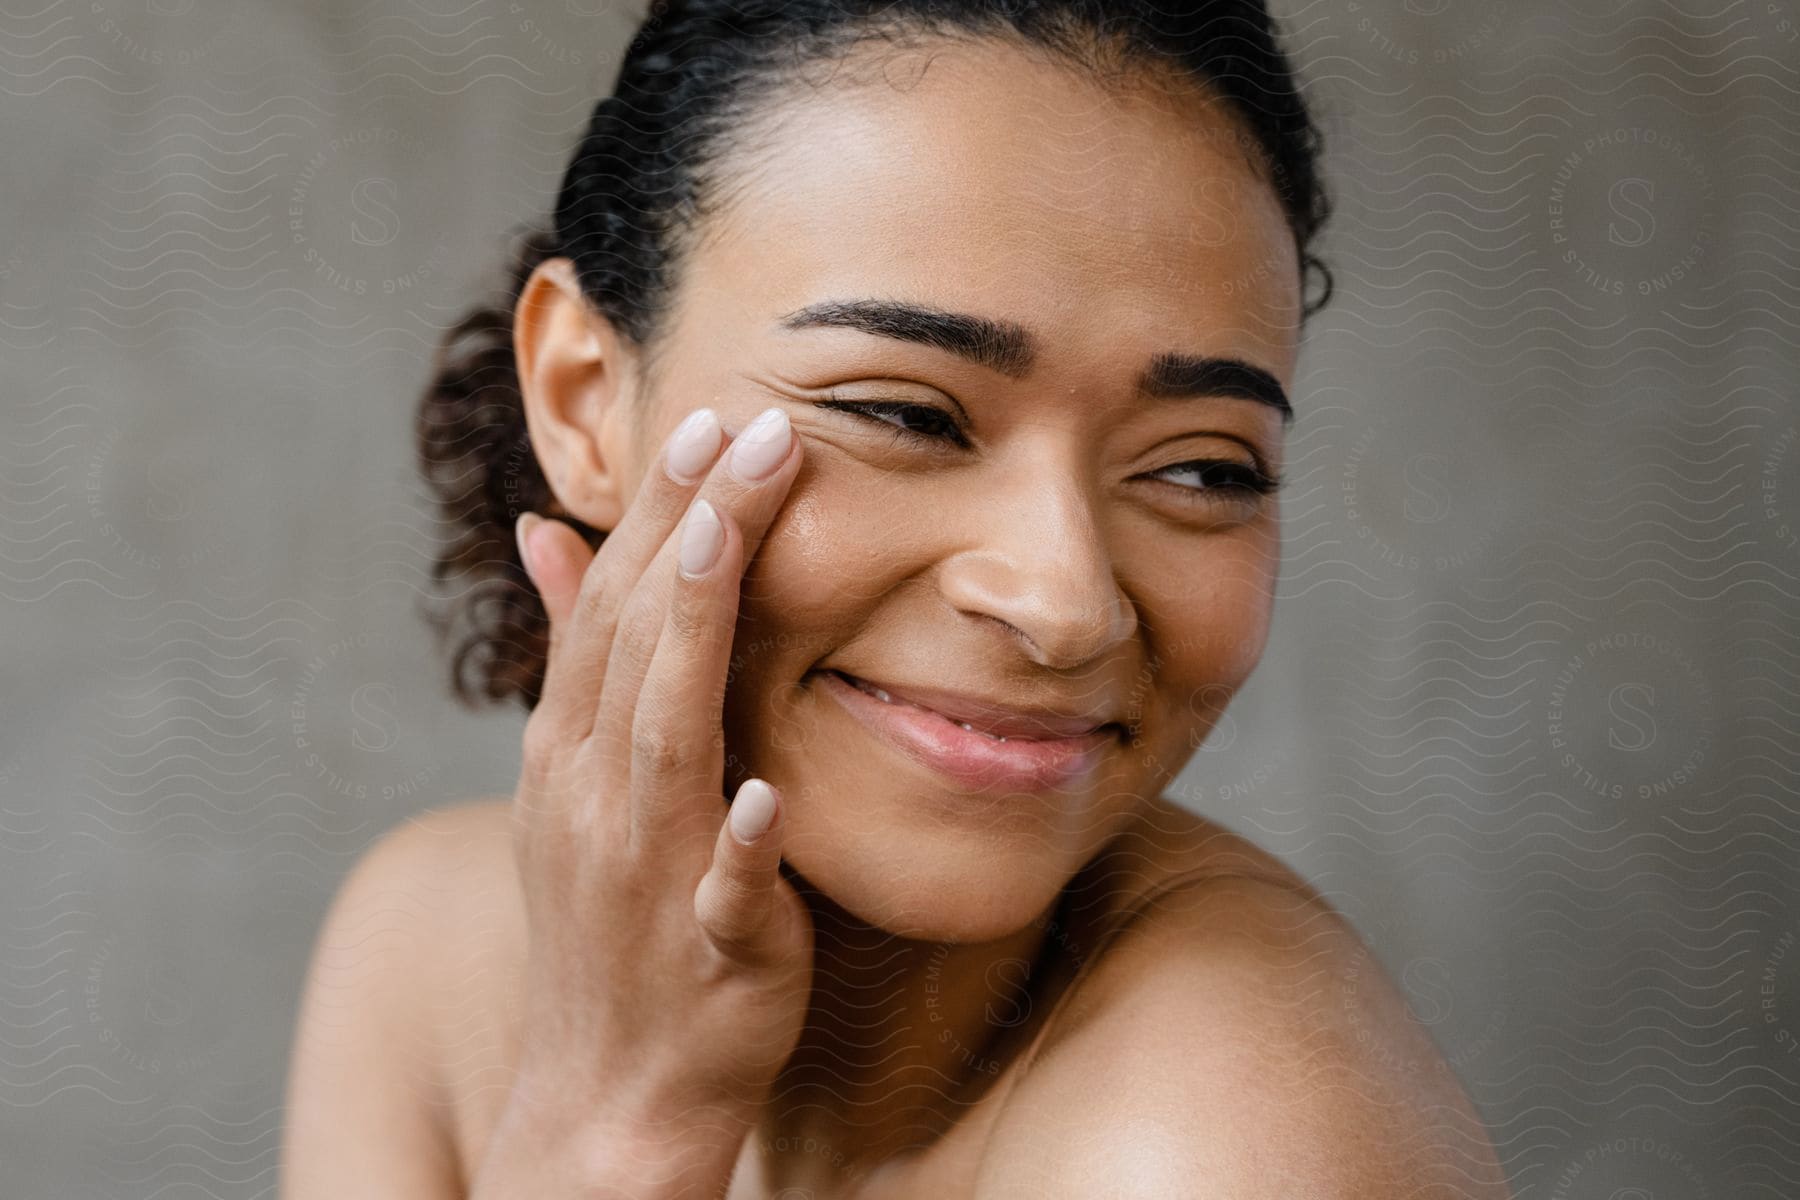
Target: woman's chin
x=964, y=894
x=906, y=847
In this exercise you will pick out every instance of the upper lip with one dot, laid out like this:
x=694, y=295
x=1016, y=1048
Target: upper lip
x=1000, y=720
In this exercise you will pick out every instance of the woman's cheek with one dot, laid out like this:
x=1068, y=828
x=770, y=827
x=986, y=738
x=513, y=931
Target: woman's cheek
x=809, y=591
x=836, y=547
x=1205, y=641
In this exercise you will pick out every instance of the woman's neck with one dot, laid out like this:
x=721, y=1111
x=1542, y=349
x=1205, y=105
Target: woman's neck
x=894, y=1046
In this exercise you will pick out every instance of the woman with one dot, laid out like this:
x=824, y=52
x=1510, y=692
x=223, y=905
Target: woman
x=919, y=370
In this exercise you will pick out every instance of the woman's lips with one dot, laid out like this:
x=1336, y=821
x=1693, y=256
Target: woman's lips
x=972, y=759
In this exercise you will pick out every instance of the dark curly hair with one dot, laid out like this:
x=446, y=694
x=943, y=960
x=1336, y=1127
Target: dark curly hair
x=639, y=184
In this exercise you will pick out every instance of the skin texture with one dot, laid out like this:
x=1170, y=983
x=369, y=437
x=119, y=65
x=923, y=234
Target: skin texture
x=1053, y=561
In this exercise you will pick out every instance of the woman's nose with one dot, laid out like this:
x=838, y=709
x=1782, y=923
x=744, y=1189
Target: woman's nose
x=1035, y=559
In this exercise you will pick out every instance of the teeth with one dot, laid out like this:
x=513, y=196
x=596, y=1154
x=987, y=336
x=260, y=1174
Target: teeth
x=881, y=695
x=873, y=691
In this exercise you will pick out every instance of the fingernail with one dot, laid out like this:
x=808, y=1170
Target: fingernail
x=752, y=811
x=522, y=532
x=761, y=447
x=702, y=537
x=693, y=446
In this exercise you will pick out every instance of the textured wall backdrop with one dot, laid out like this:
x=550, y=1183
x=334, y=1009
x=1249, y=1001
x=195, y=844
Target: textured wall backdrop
x=1531, y=710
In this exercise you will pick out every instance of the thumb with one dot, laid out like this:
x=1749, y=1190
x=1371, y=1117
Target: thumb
x=555, y=559
x=735, y=900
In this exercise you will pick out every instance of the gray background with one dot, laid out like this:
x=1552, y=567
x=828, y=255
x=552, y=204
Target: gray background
x=1529, y=714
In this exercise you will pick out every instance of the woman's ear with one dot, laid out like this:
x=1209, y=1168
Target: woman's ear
x=573, y=375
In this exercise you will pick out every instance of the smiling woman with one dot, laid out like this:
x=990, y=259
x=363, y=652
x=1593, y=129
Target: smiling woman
x=893, y=419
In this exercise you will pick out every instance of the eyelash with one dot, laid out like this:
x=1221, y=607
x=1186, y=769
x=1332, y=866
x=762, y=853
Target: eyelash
x=868, y=409
x=1242, y=479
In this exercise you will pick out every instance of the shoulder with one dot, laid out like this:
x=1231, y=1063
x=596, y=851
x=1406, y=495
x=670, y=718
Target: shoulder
x=416, y=893
x=1165, y=843
x=449, y=868
x=401, y=964
x=436, y=913
x=1214, y=1040
x=419, y=880
x=472, y=838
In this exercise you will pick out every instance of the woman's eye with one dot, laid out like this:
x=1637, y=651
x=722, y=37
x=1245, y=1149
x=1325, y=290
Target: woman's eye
x=930, y=423
x=1220, y=478
x=1202, y=480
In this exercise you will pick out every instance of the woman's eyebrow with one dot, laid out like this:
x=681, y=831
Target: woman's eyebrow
x=1188, y=376
x=1011, y=350
x=1000, y=346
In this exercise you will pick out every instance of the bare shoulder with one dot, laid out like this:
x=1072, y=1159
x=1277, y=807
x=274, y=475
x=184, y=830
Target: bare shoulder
x=398, y=997
x=444, y=885
x=470, y=839
x=1212, y=1048
x=1166, y=846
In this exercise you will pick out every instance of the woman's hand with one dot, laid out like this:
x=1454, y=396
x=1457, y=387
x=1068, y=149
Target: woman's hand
x=669, y=963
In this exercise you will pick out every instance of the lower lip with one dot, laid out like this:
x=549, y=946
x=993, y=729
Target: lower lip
x=972, y=759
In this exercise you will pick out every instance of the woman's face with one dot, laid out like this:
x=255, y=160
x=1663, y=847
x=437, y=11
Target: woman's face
x=1067, y=239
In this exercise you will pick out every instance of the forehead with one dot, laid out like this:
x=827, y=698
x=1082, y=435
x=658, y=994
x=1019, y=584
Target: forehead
x=980, y=177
